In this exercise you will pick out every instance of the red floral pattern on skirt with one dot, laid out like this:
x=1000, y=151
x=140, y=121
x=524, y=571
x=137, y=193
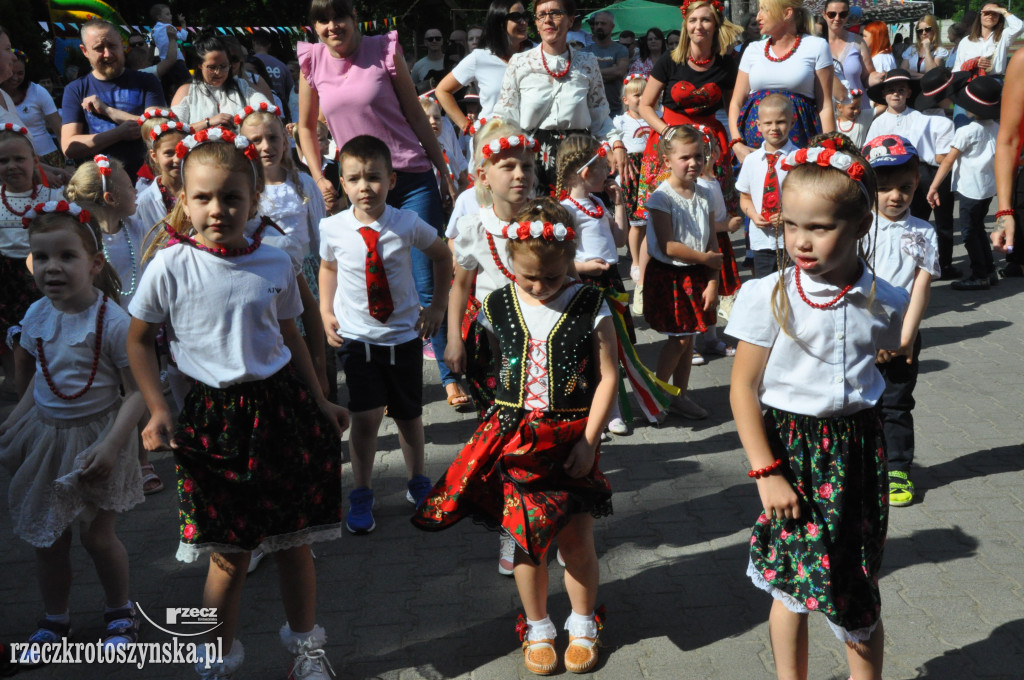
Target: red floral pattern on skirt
x=674, y=298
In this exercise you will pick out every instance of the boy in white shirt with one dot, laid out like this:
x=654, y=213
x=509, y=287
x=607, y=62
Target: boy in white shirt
x=161, y=15
x=905, y=253
x=371, y=311
x=972, y=161
x=760, y=194
x=932, y=137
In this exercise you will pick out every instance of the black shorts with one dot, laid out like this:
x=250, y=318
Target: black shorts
x=384, y=375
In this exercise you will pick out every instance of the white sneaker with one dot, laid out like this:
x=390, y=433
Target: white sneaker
x=698, y=359
x=558, y=558
x=312, y=665
x=506, y=555
x=638, y=300
x=617, y=426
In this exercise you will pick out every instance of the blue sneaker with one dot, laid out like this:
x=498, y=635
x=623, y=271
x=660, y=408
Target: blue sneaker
x=49, y=633
x=418, y=489
x=360, y=511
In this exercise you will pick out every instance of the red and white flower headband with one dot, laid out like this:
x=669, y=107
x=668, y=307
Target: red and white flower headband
x=155, y=113
x=478, y=124
x=170, y=126
x=544, y=230
x=14, y=128
x=215, y=134
x=103, y=166
x=716, y=4
x=263, y=107
x=505, y=143
x=828, y=157
x=633, y=76
x=601, y=152
x=51, y=207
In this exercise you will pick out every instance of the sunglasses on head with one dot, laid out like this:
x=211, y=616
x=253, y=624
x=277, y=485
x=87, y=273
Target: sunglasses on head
x=518, y=16
x=840, y=15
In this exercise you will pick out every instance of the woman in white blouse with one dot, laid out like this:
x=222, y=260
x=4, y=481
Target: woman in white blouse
x=927, y=53
x=37, y=110
x=552, y=91
x=504, y=35
x=992, y=33
x=213, y=97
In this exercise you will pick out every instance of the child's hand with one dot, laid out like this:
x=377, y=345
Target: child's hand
x=760, y=222
x=100, y=462
x=735, y=224
x=778, y=498
x=887, y=355
x=592, y=267
x=221, y=119
x=710, y=299
x=580, y=460
x=613, y=190
x=455, y=356
x=430, y=320
x=157, y=435
x=933, y=197
x=331, y=327
x=713, y=260
x=338, y=415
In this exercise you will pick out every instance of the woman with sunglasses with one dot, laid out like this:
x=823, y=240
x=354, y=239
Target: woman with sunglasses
x=992, y=33
x=851, y=57
x=927, y=53
x=214, y=96
x=553, y=91
x=504, y=35
x=791, y=62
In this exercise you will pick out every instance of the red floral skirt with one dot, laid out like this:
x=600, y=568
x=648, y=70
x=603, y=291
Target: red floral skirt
x=516, y=482
x=729, y=277
x=673, y=298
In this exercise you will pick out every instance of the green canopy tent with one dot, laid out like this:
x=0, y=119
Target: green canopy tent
x=640, y=15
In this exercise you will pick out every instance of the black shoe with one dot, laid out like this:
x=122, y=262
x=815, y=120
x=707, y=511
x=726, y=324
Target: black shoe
x=1011, y=270
x=993, y=279
x=950, y=273
x=971, y=284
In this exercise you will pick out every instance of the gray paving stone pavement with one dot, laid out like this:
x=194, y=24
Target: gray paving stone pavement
x=400, y=604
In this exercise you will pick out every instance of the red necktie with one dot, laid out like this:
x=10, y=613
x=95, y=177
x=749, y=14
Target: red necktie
x=377, y=291
x=770, y=196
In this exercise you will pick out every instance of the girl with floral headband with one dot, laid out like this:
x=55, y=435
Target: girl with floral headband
x=157, y=200
x=818, y=451
x=531, y=468
x=257, y=442
x=70, y=444
x=151, y=118
x=21, y=187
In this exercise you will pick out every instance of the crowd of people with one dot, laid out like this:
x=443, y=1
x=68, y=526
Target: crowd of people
x=197, y=241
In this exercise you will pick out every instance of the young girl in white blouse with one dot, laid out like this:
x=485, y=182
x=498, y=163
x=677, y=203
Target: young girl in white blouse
x=817, y=453
x=681, y=279
x=158, y=199
x=70, y=444
x=634, y=131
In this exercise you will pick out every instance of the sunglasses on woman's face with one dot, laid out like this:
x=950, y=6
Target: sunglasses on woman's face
x=519, y=17
x=839, y=15
x=926, y=29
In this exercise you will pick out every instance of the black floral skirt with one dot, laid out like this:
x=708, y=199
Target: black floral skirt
x=258, y=466
x=829, y=559
x=481, y=373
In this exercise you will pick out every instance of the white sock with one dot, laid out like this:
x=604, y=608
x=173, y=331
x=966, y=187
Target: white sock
x=541, y=630
x=127, y=605
x=60, y=618
x=581, y=625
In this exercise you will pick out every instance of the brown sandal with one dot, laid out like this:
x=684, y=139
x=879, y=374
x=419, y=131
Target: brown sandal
x=460, y=395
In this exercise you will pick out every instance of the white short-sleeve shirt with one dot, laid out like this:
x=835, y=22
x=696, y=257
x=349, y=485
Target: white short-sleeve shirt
x=222, y=312
x=974, y=173
x=825, y=365
x=473, y=252
x=857, y=130
x=634, y=131
x=796, y=74
x=901, y=248
x=299, y=216
x=719, y=213
x=691, y=220
x=930, y=135
x=465, y=204
x=487, y=70
x=751, y=182
x=594, y=239
x=69, y=342
x=33, y=110
x=341, y=242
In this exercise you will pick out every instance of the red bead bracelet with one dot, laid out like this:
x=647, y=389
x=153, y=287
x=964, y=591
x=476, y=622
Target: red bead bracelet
x=766, y=470
x=1009, y=212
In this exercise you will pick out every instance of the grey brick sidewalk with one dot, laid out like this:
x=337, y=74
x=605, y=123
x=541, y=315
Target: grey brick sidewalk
x=402, y=604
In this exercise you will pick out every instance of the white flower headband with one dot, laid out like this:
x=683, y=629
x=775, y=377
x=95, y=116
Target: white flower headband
x=633, y=76
x=827, y=156
x=601, y=152
x=103, y=165
x=217, y=134
x=170, y=126
x=14, y=128
x=505, y=143
x=51, y=207
x=544, y=230
x=263, y=107
x=155, y=113
x=477, y=125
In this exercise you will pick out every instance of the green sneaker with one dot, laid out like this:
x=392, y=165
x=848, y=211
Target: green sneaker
x=901, y=489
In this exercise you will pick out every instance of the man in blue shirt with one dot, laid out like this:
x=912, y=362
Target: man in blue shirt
x=612, y=57
x=99, y=109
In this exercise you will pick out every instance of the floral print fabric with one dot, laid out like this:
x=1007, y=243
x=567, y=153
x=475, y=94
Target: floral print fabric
x=829, y=559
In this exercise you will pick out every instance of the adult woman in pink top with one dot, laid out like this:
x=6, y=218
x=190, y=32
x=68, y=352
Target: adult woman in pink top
x=362, y=86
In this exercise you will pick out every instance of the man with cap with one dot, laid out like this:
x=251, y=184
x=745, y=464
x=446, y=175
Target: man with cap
x=931, y=136
x=971, y=160
x=904, y=253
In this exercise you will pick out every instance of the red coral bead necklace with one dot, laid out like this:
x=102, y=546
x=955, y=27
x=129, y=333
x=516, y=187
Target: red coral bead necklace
x=28, y=206
x=95, y=359
x=597, y=213
x=771, y=57
x=831, y=303
x=561, y=74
